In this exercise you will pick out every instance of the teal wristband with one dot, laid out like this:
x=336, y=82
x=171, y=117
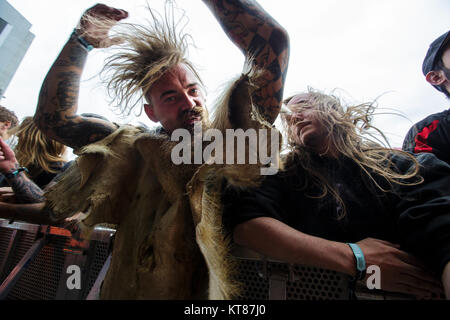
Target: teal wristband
x=82, y=41
x=14, y=173
x=360, y=261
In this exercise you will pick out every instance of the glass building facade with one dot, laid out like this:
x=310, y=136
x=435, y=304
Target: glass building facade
x=15, y=39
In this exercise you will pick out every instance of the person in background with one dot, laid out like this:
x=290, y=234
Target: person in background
x=43, y=157
x=8, y=121
x=432, y=134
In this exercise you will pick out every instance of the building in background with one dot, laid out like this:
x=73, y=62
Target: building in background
x=15, y=39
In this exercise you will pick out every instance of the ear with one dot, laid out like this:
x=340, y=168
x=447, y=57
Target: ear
x=150, y=112
x=436, y=78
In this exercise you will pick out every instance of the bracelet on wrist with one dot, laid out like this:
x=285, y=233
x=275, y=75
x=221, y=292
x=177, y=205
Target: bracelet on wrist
x=14, y=172
x=84, y=43
x=360, y=261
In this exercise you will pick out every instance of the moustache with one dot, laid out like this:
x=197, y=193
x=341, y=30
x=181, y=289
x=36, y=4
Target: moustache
x=192, y=113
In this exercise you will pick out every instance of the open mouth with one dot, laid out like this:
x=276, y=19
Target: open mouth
x=193, y=117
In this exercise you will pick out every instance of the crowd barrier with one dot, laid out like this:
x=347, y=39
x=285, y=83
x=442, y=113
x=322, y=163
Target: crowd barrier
x=36, y=260
x=268, y=279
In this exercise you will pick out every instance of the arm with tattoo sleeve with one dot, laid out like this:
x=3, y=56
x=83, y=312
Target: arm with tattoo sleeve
x=56, y=114
x=258, y=36
x=25, y=190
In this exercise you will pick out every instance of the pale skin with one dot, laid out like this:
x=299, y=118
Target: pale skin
x=308, y=132
x=401, y=272
x=4, y=126
x=173, y=99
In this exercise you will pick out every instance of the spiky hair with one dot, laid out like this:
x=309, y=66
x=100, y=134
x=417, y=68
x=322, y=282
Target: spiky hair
x=144, y=54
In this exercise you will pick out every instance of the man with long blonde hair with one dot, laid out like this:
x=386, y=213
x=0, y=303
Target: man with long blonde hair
x=125, y=176
x=345, y=202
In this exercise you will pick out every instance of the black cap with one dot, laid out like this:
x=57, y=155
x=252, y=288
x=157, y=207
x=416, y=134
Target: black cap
x=434, y=53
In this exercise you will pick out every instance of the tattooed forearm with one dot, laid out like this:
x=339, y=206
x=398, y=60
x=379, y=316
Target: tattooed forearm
x=261, y=38
x=59, y=92
x=81, y=133
x=25, y=190
x=56, y=114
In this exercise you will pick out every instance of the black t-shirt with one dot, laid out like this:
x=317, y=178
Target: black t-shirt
x=281, y=197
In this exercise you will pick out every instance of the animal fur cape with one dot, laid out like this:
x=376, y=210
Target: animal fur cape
x=169, y=242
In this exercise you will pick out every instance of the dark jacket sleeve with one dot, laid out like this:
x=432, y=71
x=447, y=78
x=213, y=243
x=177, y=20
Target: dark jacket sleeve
x=424, y=213
x=409, y=143
x=431, y=135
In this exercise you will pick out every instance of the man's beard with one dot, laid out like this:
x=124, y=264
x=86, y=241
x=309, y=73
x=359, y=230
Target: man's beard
x=200, y=113
x=447, y=76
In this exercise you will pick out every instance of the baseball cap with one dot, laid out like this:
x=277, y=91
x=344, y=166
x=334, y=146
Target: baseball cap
x=434, y=53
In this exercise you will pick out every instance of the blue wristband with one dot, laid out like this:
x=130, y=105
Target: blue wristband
x=360, y=261
x=82, y=41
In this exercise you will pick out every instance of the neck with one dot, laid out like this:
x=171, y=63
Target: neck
x=327, y=151
x=4, y=135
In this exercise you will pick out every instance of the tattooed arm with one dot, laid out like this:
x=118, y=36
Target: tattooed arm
x=31, y=213
x=56, y=114
x=25, y=190
x=30, y=197
x=259, y=36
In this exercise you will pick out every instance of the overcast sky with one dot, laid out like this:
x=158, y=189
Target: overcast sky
x=364, y=48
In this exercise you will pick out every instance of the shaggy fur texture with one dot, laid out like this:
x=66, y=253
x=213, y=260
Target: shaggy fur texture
x=169, y=243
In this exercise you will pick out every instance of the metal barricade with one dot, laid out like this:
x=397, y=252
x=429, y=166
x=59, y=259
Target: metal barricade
x=36, y=261
x=268, y=279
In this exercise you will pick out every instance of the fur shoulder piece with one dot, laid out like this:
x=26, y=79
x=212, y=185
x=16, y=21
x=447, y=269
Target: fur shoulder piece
x=98, y=180
x=234, y=110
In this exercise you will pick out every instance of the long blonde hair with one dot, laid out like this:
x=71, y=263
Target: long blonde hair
x=351, y=133
x=35, y=150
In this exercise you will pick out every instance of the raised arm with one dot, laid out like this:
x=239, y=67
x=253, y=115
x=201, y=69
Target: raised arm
x=258, y=36
x=56, y=113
